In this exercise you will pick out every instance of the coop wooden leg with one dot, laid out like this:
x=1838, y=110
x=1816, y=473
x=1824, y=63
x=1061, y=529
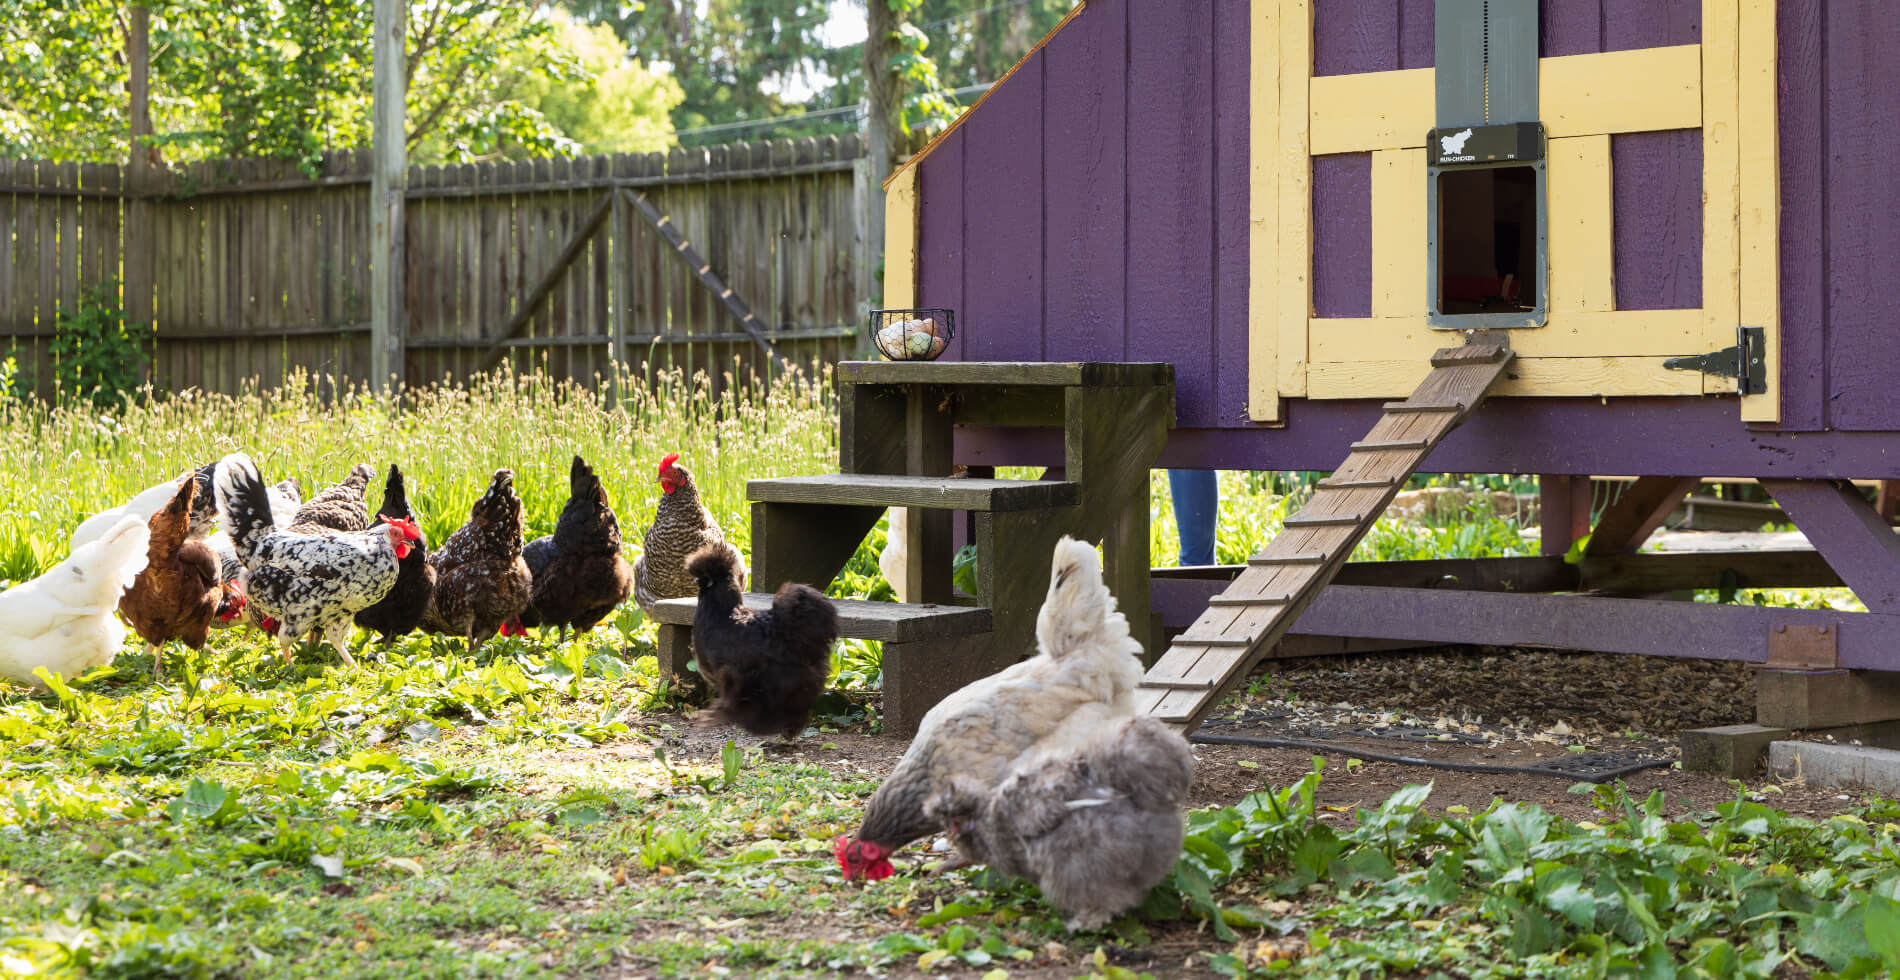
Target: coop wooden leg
x=1563, y=511
x=675, y=652
x=919, y=674
x=1849, y=533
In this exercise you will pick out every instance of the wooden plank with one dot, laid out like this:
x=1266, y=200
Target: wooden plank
x=1637, y=513
x=1294, y=295
x=1721, y=179
x=1539, y=377
x=1263, y=207
x=388, y=177
x=1624, y=333
x=524, y=312
x=1578, y=95
x=1398, y=233
x=1582, y=241
x=700, y=270
x=916, y=491
x=1760, y=197
x=891, y=622
x=1093, y=374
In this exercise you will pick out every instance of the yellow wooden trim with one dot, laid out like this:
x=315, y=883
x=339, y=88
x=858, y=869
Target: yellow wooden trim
x=1540, y=376
x=1582, y=241
x=1760, y=287
x=1398, y=233
x=1620, y=333
x=1295, y=296
x=1721, y=171
x=1263, y=229
x=1579, y=95
x=900, y=241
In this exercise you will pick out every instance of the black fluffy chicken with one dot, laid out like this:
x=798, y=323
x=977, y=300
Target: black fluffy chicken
x=579, y=572
x=769, y=665
x=401, y=611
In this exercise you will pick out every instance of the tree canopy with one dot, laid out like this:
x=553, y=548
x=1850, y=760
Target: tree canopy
x=280, y=78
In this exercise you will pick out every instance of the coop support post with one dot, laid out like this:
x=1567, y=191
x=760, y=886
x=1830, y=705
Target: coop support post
x=388, y=180
x=1563, y=511
x=1849, y=533
x=1636, y=515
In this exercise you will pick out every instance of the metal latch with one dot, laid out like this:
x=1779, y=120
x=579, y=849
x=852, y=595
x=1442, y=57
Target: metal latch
x=1746, y=362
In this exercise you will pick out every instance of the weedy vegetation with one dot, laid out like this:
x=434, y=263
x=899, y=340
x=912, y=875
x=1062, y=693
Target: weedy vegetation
x=528, y=810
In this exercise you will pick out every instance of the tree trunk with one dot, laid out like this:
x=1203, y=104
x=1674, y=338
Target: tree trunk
x=883, y=93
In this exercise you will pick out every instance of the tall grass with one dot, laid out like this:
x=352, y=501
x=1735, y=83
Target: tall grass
x=66, y=463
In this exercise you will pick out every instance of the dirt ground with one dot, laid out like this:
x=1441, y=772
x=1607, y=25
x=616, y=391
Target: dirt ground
x=1456, y=704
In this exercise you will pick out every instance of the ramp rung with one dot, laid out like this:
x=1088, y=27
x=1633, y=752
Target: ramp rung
x=1175, y=684
x=1332, y=484
x=1427, y=408
x=1301, y=558
x=1375, y=446
x=1250, y=600
x=1189, y=639
x=1469, y=354
x=1323, y=520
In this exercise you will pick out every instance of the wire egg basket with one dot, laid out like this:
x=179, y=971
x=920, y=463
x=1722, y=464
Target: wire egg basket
x=912, y=335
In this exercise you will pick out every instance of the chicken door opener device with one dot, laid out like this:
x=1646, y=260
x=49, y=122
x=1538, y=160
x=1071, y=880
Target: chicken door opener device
x=1487, y=227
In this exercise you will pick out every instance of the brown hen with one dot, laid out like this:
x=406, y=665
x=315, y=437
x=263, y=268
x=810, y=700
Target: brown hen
x=179, y=593
x=481, y=581
x=342, y=507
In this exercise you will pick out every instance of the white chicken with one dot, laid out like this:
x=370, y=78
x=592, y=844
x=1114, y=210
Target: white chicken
x=970, y=739
x=66, y=620
x=148, y=502
x=891, y=560
x=1091, y=814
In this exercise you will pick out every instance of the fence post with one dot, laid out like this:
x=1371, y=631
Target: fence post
x=136, y=260
x=388, y=181
x=620, y=280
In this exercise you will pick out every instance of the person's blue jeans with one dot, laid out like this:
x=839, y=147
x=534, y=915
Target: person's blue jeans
x=1196, y=506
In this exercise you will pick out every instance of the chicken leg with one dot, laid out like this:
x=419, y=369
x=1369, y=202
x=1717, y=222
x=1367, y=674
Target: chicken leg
x=338, y=633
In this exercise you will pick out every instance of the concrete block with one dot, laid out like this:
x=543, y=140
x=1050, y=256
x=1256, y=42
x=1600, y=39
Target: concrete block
x=1820, y=764
x=1805, y=700
x=1734, y=751
x=675, y=651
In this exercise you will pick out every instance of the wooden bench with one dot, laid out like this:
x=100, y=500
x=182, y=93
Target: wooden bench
x=929, y=650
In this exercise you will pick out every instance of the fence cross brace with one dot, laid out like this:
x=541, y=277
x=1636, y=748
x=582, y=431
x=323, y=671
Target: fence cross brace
x=702, y=270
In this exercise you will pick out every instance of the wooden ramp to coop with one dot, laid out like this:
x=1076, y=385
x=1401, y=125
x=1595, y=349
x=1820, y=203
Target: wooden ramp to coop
x=1244, y=622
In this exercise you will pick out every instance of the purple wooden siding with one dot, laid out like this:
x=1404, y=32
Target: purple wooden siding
x=1860, y=201
x=1658, y=219
x=1353, y=36
x=1342, y=235
x=1097, y=207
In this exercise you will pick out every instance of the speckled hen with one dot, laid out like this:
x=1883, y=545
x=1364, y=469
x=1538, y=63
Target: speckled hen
x=341, y=507
x=311, y=581
x=481, y=580
x=681, y=526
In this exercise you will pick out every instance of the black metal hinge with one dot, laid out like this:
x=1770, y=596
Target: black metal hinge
x=1746, y=362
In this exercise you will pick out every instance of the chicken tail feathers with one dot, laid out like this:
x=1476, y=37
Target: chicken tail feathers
x=1079, y=612
x=1149, y=762
x=806, y=611
x=244, y=504
x=395, y=496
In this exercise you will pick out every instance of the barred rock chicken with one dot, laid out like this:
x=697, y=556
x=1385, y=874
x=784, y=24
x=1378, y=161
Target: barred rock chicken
x=1092, y=814
x=285, y=498
x=309, y=581
x=579, y=573
x=768, y=665
x=401, y=611
x=64, y=620
x=481, y=580
x=970, y=739
x=681, y=526
x=180, y=592
x=340, y=507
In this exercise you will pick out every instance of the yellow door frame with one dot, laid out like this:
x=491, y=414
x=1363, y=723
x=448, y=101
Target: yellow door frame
x=1725, y=86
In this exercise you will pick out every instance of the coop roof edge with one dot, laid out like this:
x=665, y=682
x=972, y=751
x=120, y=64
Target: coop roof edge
x=930, y=147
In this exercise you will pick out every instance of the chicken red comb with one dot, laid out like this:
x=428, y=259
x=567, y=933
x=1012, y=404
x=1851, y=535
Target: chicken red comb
x=667, y=461
x=406, y=526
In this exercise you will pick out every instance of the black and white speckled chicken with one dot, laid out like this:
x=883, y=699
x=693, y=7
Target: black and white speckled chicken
x=1091, y=814
x=308, y=581
x=579, y=573
x=681, y=525
x=401, y=611
x=340, y=507
x=481, y=581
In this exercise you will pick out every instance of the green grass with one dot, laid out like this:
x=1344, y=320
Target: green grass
x=518, y=813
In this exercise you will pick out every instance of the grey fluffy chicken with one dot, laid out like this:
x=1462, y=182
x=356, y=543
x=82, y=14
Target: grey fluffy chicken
x=340, y=507
x=579, y=573
x=401, y=611
x=768, y=665
x=1091, y=815
x=681, y=525
x=481, y=581
x=971, y=738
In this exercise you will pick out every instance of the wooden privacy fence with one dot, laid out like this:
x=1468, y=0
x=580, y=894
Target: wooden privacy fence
x=250, y=270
